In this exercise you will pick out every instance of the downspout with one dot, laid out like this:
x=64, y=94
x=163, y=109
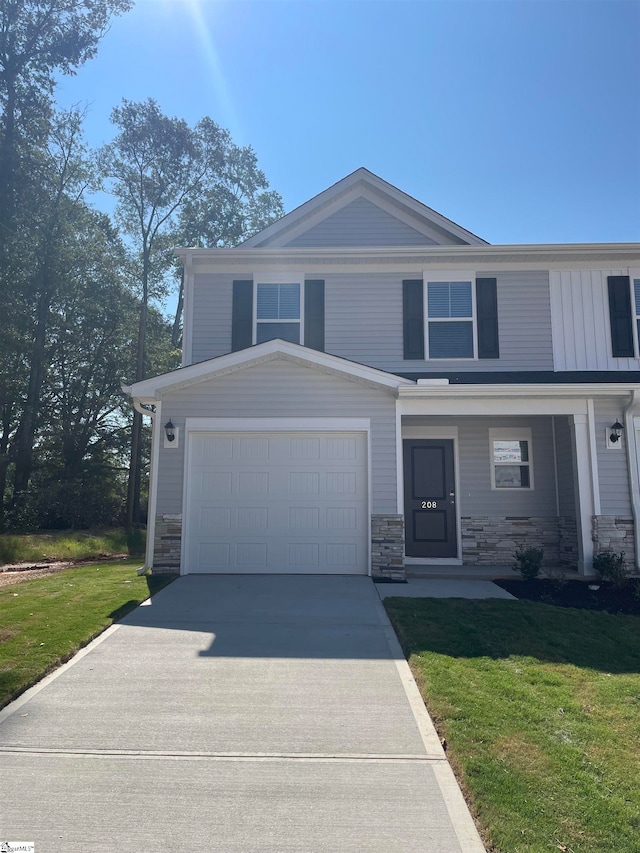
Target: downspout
x=630, y=410
x=152, y=411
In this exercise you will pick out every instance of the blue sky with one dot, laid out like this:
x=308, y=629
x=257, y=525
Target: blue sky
x=518, y=120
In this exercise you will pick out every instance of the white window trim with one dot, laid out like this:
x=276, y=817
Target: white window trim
x=450, y=275
x=274, y=278
x=521, y=434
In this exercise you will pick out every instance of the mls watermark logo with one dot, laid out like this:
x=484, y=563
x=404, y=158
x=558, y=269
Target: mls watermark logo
x=17, y=847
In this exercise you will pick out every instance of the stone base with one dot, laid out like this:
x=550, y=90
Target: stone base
x=493, y=541
x=168, y=544
x=614, y=533
x=568, y=547
x=387, y=547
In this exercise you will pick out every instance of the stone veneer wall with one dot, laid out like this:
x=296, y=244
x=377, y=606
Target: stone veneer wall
x=167, y=545
x=613, y=533
x=492, y=541
x=387, y=547
x=568, y=547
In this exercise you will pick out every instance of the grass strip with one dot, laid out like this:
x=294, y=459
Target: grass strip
x=540, y=709
x=43, y=622
x=66, y=545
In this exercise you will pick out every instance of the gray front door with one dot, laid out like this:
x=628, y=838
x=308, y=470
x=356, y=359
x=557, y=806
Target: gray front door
x=429, y=498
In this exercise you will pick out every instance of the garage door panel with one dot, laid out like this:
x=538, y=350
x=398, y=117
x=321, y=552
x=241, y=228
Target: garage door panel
x=277, y=503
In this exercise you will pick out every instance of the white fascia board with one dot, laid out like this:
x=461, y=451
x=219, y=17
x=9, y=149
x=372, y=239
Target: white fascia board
x=262, y=353
x=304, y=212
x=359, y=182
x=554, y=256
x=574, y=389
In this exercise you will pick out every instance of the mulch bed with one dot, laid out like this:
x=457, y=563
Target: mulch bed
x=612, y=599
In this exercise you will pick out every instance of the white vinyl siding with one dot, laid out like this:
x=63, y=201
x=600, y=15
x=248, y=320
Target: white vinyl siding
x=211, y=315
x=363, y=320
x=360, y=223
x=280, y=389
x=581, y=326
x=476, y=497
x=566, y=468
x=613, y=472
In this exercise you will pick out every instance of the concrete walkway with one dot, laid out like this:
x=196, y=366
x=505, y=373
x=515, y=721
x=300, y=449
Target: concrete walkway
x=442, y=588
x=234, y=714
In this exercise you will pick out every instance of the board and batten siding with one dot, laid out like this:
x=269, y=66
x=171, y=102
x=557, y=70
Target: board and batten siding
x=580, y=321
x=360, y=223
x=476, y=497
x=363, y=322
x=281, y=389
x=613, y=473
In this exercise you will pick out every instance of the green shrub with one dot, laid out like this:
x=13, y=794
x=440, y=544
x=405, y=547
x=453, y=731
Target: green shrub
x=528, y=562
x=611, y=567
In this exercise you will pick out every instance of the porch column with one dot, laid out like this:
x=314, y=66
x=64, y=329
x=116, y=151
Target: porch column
x=583, y=487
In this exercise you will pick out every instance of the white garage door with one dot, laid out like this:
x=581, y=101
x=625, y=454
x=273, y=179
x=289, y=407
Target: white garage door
x=277, y=502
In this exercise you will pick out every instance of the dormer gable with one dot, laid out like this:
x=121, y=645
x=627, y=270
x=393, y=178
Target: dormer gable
x=362, y=210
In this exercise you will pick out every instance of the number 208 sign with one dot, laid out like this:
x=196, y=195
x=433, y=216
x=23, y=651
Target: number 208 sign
x=429, y=504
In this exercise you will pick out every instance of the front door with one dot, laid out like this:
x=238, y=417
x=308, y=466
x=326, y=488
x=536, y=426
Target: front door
x=429, y=498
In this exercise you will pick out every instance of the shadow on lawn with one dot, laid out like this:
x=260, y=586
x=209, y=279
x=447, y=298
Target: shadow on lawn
x=501, y=629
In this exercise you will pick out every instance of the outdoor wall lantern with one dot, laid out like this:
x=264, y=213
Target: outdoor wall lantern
x=170, y=431
x=616, y=432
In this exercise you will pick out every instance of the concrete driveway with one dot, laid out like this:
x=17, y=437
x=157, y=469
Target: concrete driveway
x=234, y=713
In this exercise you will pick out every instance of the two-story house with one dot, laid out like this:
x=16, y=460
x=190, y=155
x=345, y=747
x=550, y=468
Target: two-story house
x=367, y=386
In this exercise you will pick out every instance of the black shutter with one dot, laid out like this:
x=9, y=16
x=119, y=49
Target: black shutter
x=413, y=318
x=242, y=318
x=487, y=309
x=314, y=314
x=620, y=315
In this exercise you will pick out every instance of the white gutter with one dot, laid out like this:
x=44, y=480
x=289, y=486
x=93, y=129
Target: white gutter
x=555, y=251
x=554, y=389
x=630, y=410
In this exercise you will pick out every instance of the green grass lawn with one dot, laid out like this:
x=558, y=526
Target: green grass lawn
x=68, y=545
x=540, y=708
x=43, y=622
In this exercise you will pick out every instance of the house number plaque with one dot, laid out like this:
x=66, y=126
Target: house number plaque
x=429, y=504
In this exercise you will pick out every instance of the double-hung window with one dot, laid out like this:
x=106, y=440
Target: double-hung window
x=278, y=311
x=511, y=459
x=450, y=318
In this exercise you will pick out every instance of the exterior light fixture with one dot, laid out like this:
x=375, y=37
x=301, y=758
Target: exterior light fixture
x=170, y=431
x=616, y=432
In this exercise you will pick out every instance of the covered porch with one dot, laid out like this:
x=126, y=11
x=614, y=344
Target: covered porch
x=486, y=469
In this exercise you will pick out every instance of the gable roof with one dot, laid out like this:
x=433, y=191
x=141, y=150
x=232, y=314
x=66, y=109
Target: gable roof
x=149, y=390
x=363, y=184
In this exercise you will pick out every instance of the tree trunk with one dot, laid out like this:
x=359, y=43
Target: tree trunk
x=133, y=485
x=176, y=336
x=26, y=430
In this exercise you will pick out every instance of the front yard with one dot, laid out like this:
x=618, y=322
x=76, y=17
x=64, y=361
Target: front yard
x=540, y=709
x=44, y=621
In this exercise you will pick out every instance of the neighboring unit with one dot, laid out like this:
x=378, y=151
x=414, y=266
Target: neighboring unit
x=368, y=386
